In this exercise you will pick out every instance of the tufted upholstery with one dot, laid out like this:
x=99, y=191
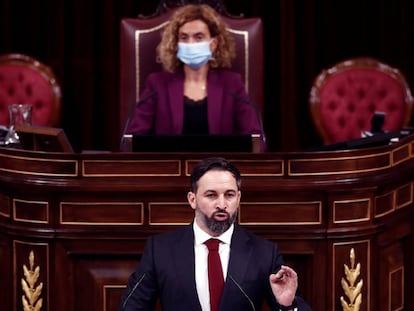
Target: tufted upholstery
x=25, y=80
x=140, y=36
x=344, y=98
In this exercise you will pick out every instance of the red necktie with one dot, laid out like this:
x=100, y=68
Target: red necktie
x=215, y=273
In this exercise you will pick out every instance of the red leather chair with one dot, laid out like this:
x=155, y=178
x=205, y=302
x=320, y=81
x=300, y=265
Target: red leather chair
x=140, y=36
x=25, y=80
x=344, y=98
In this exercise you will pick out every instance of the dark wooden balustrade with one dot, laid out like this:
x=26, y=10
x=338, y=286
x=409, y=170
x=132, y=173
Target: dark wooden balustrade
x=82, y=220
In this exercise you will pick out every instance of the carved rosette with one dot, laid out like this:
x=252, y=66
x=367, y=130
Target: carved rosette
x=352, y=291
x=31, y=299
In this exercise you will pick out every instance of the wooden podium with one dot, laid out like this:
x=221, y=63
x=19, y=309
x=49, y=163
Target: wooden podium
x=73, y=226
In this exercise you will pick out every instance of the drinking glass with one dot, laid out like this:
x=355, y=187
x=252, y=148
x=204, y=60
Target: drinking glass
x=20, y=114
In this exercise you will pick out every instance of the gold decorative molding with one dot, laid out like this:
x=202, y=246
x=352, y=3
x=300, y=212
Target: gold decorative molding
x=350, y=211
x=325, y=166
x=264, y=213
x=130, y=168
x=351, y=291
x=245, y=35
x=85, y=213
x=138, y=34
x=30, y=299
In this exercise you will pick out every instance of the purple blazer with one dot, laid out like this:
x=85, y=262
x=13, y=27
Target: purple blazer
x=161, y=108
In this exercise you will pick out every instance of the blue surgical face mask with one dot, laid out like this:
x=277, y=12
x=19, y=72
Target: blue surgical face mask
x=195, y=54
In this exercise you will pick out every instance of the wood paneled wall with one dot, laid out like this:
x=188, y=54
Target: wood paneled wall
x=86, y=218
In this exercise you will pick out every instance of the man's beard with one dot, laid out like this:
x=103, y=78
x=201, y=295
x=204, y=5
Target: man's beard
x=214, y=225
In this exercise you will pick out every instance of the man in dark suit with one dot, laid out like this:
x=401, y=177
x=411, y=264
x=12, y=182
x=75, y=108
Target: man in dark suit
x=174, y=268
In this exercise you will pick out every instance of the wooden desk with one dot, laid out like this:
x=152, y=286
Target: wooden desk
x=83, y=219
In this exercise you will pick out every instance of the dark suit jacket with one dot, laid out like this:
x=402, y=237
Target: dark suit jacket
x=161, y=108
x=166, y=271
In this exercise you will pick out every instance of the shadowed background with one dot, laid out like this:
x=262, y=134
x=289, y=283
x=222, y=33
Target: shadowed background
x=80, y=41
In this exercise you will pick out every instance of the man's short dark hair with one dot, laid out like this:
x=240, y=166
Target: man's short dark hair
x=213, y=163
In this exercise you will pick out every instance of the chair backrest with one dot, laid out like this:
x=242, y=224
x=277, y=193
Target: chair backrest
x=25, y=80
x=140, y=36
x=344, y=98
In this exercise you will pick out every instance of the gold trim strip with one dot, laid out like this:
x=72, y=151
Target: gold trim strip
x=62, y=222
x=137, y=46
x=295, y=223
x=337, y=159
x=104, y=290
x=395, y=151
x=6, y=200
x=192, y=162
x=43, y=203
x=392, y=193
x=131, y=162
x=75, y=162
x=245, y=34
x=410, y=201
x=152, y=223
x=368, y=212
x=401, y=308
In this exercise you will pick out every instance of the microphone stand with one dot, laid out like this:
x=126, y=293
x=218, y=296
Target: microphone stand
x=258, y=116
x=124, y=136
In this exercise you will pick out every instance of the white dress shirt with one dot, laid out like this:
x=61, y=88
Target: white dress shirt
x=201, y=266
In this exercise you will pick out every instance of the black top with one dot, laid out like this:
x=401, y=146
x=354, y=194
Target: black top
x=195, y=117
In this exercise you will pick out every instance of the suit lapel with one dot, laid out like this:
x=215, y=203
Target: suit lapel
x=215, y=100
x=185, y=258
x=176, y=100
x=240, y=256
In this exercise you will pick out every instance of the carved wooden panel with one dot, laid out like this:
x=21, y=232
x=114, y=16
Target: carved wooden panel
x=86, y=218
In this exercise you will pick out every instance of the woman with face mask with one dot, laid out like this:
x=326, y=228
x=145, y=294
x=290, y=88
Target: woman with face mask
x=196, y=93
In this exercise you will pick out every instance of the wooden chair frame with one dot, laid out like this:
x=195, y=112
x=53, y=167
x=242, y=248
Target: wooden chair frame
x=135, y=31
x=30, y=63
x=350, y=64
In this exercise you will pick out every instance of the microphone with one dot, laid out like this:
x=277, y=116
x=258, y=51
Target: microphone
x=258, y=115
x=377, y=121
x=243, y=292
x=132, y=291
x=131, y=112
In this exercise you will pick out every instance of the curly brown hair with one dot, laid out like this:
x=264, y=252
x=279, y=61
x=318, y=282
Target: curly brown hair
x=167, y=48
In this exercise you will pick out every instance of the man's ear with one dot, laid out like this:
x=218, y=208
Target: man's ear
x=191, y=199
